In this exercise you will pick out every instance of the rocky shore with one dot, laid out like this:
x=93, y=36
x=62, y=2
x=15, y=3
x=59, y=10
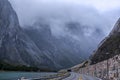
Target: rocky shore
x=58, y=76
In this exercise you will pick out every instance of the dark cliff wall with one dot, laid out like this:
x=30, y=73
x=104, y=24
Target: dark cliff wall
x=109, y=47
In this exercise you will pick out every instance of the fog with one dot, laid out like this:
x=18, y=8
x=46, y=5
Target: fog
x=94, y=14
x=87, y=12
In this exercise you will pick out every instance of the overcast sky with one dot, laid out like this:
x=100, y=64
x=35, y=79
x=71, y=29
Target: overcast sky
x=96, y=17
x=101, y=5
x=92, y=12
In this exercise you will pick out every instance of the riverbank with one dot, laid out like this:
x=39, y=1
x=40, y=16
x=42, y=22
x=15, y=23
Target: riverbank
x=58, y=76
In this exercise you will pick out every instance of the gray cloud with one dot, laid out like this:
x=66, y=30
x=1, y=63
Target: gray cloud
x=89, y=15
x=28, y=10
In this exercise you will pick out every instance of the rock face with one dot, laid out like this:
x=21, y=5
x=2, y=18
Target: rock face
x=116, y=28
x=62, y=51
x=37, y=47
x=34, y=47
x=109, y=47
x=15, y=46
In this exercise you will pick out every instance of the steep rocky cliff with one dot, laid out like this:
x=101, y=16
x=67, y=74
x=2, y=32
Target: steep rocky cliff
x=15, y=46
x=63, y=50
x=109, y=47
x=116, y=28
x=34, y=47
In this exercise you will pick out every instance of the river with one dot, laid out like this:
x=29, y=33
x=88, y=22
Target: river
x=18, y=75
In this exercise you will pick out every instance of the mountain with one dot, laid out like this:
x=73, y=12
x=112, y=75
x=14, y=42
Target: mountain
x=35, y=47
x=116, y=28
x=63, y=50
x=16, y=47
x=67, y=47
x=41, y=45
x=109, y=47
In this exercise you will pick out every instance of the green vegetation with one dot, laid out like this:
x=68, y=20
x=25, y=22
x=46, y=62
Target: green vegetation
x=8, y=67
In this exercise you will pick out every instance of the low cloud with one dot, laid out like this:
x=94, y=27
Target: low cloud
x=95, y=19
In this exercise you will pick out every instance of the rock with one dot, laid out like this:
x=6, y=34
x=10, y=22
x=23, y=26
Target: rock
x=110, y=44
x=15, y=46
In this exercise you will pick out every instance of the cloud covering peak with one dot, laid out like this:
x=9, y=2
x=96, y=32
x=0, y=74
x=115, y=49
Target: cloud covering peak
x=95, y=17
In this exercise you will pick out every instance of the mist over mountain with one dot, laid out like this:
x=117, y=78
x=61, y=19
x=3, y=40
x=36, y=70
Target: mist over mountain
x=36, y=46
x=109, y=47
x=51, y=35
x=85, y=22
x=16, y=48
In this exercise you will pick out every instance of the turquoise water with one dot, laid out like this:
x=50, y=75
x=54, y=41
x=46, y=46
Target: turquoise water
x=18, y=75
